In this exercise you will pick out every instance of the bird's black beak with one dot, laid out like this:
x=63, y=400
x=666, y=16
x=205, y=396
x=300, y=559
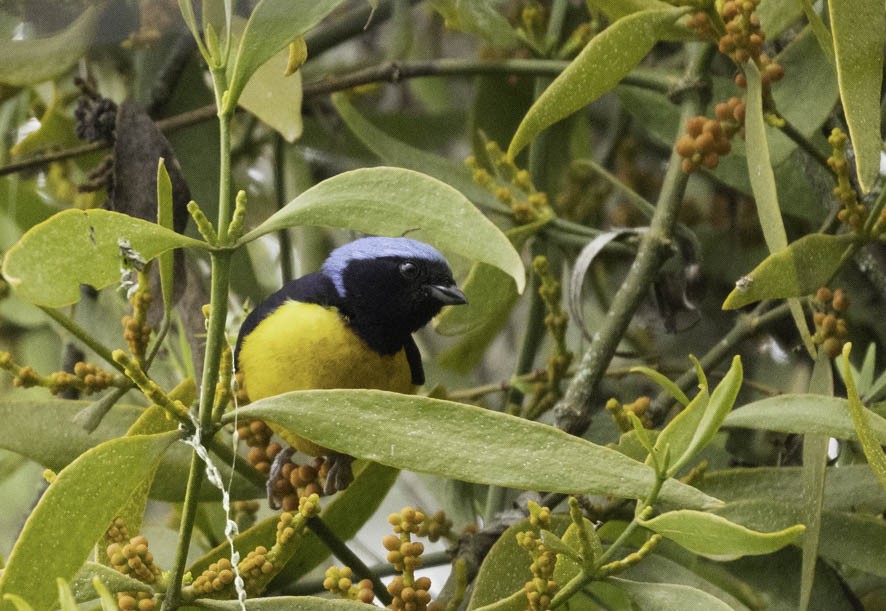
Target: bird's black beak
x=447, y=294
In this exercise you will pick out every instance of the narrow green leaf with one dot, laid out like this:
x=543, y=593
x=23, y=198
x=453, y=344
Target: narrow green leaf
x=679, y=432
x=668, y=596
x=719, y=405
x=666, y=384
x=285, y=603
x=462, y=442
x=392, y=201
x=26, y=62
x=108, y=600
x=398, y=153
x=18, y=602
x=74, y=247
x=600, y=66
x=164, y=219
x=759, y=165
x=800, y=413
x=798, y=270
x=815, y=457
x=869, y=441
x=822, y=34
x=716, y=537
x=74, y=512
x=66, y=599
x=272, y=25
x=859, y=37
x=762, y=178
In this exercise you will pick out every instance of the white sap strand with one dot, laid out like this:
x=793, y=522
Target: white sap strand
x=215, y=478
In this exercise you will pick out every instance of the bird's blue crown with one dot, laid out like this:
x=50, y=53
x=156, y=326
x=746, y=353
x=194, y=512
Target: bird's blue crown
x=373, y=248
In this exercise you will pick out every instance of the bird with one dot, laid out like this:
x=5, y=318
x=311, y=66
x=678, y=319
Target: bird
x=348, y=325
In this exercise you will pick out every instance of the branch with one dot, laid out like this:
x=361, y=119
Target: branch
x=573, y=412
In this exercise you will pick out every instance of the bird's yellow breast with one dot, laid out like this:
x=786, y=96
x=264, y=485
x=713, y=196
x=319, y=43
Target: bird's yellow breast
x=304, y=345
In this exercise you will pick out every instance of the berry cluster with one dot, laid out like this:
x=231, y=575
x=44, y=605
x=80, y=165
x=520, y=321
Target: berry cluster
x=852, y=212
x=435, y=527
x=542, y=587
x=94, y=378
x=702, y=145
x=117, y=532
x=87, y=378
x=216, y=579
x=136, y=331
x=403, y=555
x=413, y=597
x=340, y=581
x=134, y=559
x=295, y=482
x=830, y=325
x=136, y=601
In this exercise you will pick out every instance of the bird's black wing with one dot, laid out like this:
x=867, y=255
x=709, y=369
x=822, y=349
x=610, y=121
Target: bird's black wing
x=313, y=288
x=413, y=357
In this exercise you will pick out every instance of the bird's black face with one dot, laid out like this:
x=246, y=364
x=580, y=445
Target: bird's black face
x=399, y=295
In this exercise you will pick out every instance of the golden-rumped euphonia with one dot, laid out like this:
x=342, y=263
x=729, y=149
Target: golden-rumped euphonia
x=348, y=325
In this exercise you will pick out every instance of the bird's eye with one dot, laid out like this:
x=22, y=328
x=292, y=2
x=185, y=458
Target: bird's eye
x=409, y=270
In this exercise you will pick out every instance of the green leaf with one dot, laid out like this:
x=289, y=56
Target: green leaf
x=83, y=583
x=26, y=62
x=462, y=442
x=759, y=165
x=398, y=153
x=815, y=457
x=671, y=564
x=600, y=66
x=45, y=432
x=849, y=538
x=272, y=25
x=822, y=34
x=74, y=512
x=859, y=37
x=800, y=413
x=665, y=383
x=284, y=603
x=274, y=98
x=798, y=270
x=668, y=596
x=847, y=488
x=74, y=247
x=715, y=411
x=716, y=537
x=66, y=599
x=869, y=441
x=679, y=432
x=164, y=219
x=392, y=201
